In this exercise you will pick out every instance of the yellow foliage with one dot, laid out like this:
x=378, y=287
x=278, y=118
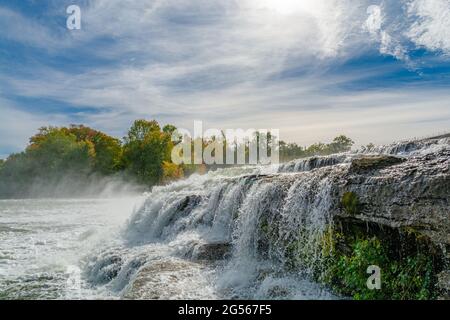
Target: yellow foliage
x=171, y=171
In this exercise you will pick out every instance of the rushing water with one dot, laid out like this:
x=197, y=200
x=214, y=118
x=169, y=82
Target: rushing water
x=111, y=253
x=226, y=234
x=42, y=243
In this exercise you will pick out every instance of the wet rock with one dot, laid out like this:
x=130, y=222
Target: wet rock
x=278, y=292
x=188, y=203
x=170, y=278
x=374, y=162
x=104, y=267
x=185, y=207
x=414, y=194
x=108, y=269
x=444, y=285
x=212, y=251
x=410, y=196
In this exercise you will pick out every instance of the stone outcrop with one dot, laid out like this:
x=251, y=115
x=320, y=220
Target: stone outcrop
x=374, y=162
x=399, y=197
x=212, y=251
x=413, y=194
x=168, y=278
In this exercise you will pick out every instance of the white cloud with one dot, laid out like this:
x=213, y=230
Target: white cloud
x=388, y=44
x=374, y=19
x=426, y=23
x=431, y=28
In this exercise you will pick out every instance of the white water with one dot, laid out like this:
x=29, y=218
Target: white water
x=222, y=207
x=42, y=241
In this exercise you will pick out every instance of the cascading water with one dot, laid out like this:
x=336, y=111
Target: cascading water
x=251, y=232
x=404, y=148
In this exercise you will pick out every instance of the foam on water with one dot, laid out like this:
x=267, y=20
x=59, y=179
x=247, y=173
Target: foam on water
x=41, y=240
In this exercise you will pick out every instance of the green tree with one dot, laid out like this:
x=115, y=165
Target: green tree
x=317, y=149
x=108, y=150
x=341, y=144
x=14, y=176
x=290, y=151
x=145, y=150
x=141, y=129
x=57, y=152
x=54, y=151
x=169, y=129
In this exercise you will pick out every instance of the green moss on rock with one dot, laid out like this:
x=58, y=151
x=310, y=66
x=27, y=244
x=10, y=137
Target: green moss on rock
x=408, y=262
x=350, y=203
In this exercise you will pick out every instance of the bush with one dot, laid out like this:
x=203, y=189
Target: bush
x=406, y=278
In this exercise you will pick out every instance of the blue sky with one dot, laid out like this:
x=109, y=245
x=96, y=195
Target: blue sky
x=377, y=71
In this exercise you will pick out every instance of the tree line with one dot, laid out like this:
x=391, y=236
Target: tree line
x=143, y=156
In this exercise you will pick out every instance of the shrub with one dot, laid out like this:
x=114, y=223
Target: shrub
x=406, y=278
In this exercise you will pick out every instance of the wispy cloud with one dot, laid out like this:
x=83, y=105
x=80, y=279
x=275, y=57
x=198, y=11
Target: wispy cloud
x=431, y=28
x=301, y=66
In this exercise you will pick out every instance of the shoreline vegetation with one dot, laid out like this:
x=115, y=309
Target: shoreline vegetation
x=78, y=161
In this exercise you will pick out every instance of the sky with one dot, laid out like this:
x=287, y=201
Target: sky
x=376, y=71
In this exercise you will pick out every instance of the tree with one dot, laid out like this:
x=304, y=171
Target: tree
x=171, y=171
x=55, y=151
x=341, y=144
x=369, y=147
x=14, y=176
x=145, y=150
x=108, y=150
x=290, y=151
x=317, y=149
x=169, y=129
x=141, y=129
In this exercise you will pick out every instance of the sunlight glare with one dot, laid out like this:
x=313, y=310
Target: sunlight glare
x=287, y=7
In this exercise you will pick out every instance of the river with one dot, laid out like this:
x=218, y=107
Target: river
x=43, y=243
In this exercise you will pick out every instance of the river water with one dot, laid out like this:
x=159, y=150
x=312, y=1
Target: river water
x=43, y=243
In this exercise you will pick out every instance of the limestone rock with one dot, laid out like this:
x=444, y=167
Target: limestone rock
x=169, y=278
x=374, y=162
x=211, y=251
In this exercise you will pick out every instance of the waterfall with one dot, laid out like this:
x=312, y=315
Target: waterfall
x=402, y=148
x=249, y=232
